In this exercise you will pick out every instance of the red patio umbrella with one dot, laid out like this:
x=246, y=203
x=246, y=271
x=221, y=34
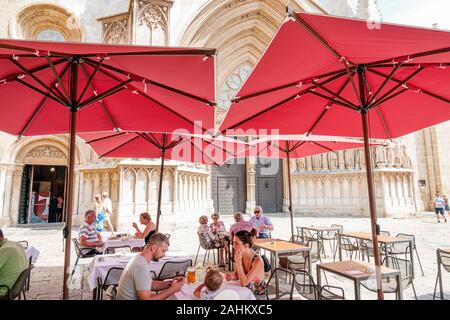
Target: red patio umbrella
x=204, y=149
x=292, y=149
x=337, y=76
x=102, y=87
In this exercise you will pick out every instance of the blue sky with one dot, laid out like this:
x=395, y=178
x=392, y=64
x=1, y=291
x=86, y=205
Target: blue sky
x=417, y=12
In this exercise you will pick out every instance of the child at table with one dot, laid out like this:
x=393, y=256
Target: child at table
x=210, y=287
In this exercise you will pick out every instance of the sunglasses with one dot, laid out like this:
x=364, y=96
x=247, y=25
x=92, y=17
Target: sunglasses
x=256, y=212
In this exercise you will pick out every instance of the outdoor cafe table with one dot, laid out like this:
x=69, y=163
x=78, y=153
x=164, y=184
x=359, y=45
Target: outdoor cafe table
x=132, y=242
x=187, y=292
x=356, y=271
x=439, y=274
x=100, y=265
x=319, y=230
x=384, y=240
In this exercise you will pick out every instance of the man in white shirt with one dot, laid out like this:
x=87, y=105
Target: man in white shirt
x=107, y=211
x=439, y=205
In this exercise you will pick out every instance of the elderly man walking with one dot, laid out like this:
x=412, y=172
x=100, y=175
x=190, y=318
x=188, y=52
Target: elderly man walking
x=262, y=223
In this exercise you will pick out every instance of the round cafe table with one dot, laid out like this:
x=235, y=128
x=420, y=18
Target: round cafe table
x=187, y=292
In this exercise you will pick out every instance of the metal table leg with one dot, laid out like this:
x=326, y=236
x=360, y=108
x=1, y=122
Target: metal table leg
x=357, y=290
x=400, y=289
x=339, y=246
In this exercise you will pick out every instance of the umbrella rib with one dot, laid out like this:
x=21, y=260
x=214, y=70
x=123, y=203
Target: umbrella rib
x=337, y=95
x=204, y=154
x=399, y=84
x=174, y=143
x=298, y=145
x=38, y=109
x=315, y=34
x=421, y=90
x=280, y=103
x=157, y=84
x=102, y=103
x=152, y=99
x=284, y=86
x=322, y=146
x=119, y=146
x=383, y=122
x=265, y=148
x=386, y=80
x=104, y=94
x=333, y=100
x=327, y=108
x=40, y=91
x=106, y=137
x=56, y=94
x=58, y=78
x=355, y=88
x=13, y=77
x=155, y=141
x=192, y=52
x=90, y=79
x=411, y=56
x=388, y=98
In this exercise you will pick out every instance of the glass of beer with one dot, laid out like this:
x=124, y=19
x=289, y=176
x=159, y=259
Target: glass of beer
x=190, y=275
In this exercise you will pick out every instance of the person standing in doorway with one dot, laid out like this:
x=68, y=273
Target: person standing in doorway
x=107, y=212
x=98, y=205
x=52, y=210
x=59, y=208
x=439, y=205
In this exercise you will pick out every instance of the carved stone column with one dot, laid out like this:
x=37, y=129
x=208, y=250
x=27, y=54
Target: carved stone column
x=115, y=196
x=3, y=171
x=251, y=183
x=176, y=192
x=15, y=194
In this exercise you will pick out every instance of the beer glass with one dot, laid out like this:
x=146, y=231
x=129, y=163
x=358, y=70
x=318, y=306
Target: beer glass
x=190, y=275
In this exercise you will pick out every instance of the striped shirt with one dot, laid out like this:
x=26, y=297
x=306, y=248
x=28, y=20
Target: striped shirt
x=439, y=202
x=88, y=231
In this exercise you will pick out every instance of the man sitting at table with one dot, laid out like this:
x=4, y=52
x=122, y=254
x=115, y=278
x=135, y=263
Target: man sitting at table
x=136, y=281
x=90, y=239
x=262, y=223
x=240, y=224
x=13, y=261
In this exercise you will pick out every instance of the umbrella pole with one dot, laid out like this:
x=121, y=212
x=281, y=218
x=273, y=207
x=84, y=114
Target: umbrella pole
x=70, y=179
x=372, y=205
x=161, y=174
x=291, y=209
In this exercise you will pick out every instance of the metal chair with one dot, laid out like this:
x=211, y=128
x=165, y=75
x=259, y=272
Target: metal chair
x=404, y=248
x=167, y=235
x=203, y=243
x=109, y=285
x=285, y=291
x=307, y=288
x=19, y=287
x=283, y=258
x=331, y=237
x=121, y=249
x=79, y=253
x=389, y=284
x=443, y=258
x=347, y=246
x=306, y=234
x=24, y=243
x=172, y=269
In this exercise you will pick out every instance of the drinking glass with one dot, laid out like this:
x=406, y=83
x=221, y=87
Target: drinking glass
x=190, y=275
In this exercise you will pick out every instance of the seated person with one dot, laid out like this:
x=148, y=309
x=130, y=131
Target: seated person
x=217, y=225
x=90, y=239
x=240, y=224
x=13, y=261
x=212, y=240
x=208, y=290
x=150, y=227
x=262, y=223
x=249, y=266
x=136, y=281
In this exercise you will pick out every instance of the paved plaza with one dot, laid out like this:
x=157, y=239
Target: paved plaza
x=46, y=280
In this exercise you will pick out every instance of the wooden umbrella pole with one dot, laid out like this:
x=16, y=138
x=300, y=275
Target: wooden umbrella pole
x=370, y=188
x=291, y=209
x=161, y=174
x=70, y=178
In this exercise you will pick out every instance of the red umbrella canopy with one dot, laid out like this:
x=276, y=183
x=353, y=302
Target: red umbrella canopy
x=295, y=148
x=126, y=87
x=318, y=70
x=205, y=150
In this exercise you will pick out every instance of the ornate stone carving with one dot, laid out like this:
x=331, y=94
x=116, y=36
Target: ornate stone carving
x=46, y=152
x=332, y=160
x=152, y=22
x=349, y=156
x=116, y=32
x=232, y=83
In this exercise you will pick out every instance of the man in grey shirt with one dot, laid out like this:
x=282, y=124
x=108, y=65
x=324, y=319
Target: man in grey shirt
x=136, y=281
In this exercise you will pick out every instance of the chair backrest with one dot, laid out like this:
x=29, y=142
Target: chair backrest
x=444, y=259
x=227, y=295
x=404, y=246
x=385, y=233
x=20, y=284
x=405, y=269
x=113, y=276
x=340, y=227
x=121, y=249
x=346, y=244
x=24, y=243
x=315, y=247
x=285, y=290
x=167, y=235
x=77, y=246
x=304, y=283
x=172, y=269
x=297, y=239
x=203, y=242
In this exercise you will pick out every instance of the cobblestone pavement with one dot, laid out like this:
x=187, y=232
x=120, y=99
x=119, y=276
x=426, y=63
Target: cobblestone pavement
x=46, y=279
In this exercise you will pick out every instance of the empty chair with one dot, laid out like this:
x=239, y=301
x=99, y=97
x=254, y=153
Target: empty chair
x=347, y=246
x=283, y=257
x=366, y=249
x=19, y=287
x=285, y=289
x=109, y=285
x=172, y=269
x=307, y=288
x=121, y=249
x=331, y=237
x=385, y=233
x=390, y=284
x=403, y=248
x=443, y=258
x=203, y=243
x=306, y=234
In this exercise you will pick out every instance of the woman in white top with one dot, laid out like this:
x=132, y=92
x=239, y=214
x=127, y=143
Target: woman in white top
x=107, y=211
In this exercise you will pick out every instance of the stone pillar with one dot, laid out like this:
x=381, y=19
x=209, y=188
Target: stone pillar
x=115, y=197
x=176, y=192
x=6, y=217
x=251, y=183
x=76, y=198
x=3, y=171
x=15, y=194
x=286, y=185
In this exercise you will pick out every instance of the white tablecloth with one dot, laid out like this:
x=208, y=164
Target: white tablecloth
x=32, y=252
x=133, y=243
x=187, y=292
x=100, y=265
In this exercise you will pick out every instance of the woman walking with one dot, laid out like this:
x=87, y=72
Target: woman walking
x=98, y=203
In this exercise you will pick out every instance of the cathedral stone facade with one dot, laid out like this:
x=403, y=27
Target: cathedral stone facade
x=407, y=172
